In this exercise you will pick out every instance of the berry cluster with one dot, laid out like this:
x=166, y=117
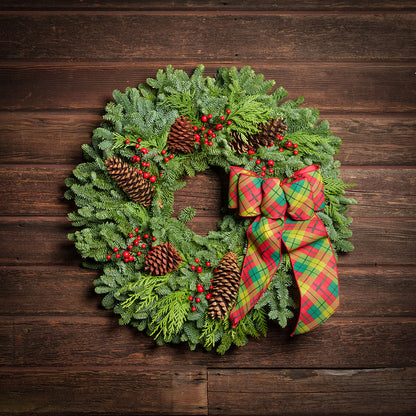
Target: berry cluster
x=207, y=130
x=134, y=242
x=142, y=169
x=200, y=289
x=288, y=145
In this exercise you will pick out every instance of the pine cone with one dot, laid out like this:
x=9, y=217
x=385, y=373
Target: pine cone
x=162, y=259
x=266, y=136
x=130, y=181
x=225, y=284
x=181, y=136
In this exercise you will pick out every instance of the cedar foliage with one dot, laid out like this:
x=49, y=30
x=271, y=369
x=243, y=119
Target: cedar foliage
x=105, y=214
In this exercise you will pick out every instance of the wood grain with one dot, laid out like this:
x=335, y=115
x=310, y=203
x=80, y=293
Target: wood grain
x=214, y=5
x=340, y=87
x=327, y=392
x=56, y=137
x=126, y=390
x=365, y=291
x=382, y=242
x=339, y=343
x=80, y=37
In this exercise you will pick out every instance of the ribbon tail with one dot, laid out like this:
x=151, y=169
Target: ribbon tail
x=260, y=264
x=315, y=269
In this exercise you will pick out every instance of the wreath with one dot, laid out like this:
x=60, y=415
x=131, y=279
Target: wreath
x=285, y=220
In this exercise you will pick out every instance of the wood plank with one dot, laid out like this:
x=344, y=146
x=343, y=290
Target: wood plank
x=338, y=343
x=382, y=242
x=365, y=291
x=208, y=5
x=38, y=190
x=382, y=391
x=286, y=37
x=340, y=87
x=56, y=138
x=110, y=391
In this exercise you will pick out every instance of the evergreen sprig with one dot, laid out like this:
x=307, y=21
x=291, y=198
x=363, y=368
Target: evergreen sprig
x=160, y=305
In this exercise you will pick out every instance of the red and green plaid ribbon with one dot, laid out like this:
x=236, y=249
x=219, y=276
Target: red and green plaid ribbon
x=285, y=211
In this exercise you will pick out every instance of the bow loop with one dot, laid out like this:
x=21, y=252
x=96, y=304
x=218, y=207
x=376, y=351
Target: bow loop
x=304, y=193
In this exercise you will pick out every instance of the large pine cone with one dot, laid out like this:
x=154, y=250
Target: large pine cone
x=181, y=136
x=266, y=136
x=130, y=181
x=162, y=260
x=225, y=284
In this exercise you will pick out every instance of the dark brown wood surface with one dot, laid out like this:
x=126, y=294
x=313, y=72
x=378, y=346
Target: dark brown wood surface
x=61, y=353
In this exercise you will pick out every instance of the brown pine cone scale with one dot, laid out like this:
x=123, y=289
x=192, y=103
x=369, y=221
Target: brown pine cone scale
x=181, y=136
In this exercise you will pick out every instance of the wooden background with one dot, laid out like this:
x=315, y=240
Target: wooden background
x=60, y=352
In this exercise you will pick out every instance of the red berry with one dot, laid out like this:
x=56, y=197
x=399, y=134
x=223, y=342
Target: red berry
x=270, y=163
x=289, y=143
x=204, y=119
x=139, y=140
x=203, y=128
x=258, y=161
x=136, y=242
x=136, y=230
x=222, y=118
x=130, y=235
x=146, y=175
x=153, y=238
x=167, y=159
x=264, y=168
x=199, y=269
x=197, y=136
x=140, y=172
x=295, y=152
x=139, y=253
x=143, y=245
x=171, y=156
x=263, y=174
x=126, y=253
x=210, y=144
x=138, y=238
x=229, y=122
x=160, y=174
x=131, y=258
x=295, y=145
x=152, y=178
x=192, y=267
x=130, y=247
x=117, y=256
x=200, y=289
x=191, y=298
x=195, y=128
x=196, y=260
x=126, y=260
x=251, y=152
x=211, y=287
x=127, y=141
x=228, y=111
x=281, y=149
x=219, y=127
x=210, y=132
x=213, y=135
x=208, y=263
x=198, y=300
x=115, y=249
x=163, y=151
x=146, y=236
x=193, y=309
x=279, y=137
x=271, y=170
x=208, y=296
x=209, y=115
x=137, y=146
x=108, y=256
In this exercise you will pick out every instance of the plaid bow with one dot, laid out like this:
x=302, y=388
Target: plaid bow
x=285, y=211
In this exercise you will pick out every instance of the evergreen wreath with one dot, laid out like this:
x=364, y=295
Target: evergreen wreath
x=157, y=274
